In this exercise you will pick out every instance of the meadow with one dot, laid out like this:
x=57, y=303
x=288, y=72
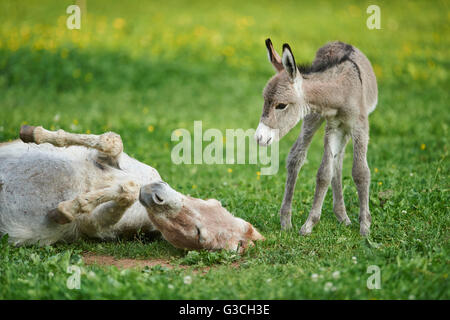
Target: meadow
x=145, y=69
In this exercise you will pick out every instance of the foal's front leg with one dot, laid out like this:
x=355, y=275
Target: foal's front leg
x=323, y=179
x=295, y=161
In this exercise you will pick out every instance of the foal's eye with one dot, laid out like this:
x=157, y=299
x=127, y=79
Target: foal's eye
x=281, y=106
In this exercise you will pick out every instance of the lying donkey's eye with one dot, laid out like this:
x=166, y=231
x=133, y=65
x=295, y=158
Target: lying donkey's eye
x=281, y=106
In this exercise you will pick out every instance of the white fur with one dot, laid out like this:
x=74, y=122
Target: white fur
x=265, y=135
x=372, y=107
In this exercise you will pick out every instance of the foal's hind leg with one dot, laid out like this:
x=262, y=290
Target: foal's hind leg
x=108, y=144
x=338, y=142
x=361, y=173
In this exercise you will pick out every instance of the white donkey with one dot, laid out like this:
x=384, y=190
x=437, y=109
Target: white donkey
x=87, y=186
x=340, y=86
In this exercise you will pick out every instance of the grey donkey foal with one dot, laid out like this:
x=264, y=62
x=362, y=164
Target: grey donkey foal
x=339, y=87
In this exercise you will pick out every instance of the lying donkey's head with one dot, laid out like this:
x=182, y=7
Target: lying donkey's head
x=191, y=223
x=283, y=98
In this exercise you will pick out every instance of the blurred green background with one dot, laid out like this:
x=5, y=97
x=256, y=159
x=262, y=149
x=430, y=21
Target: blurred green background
x=144, y=69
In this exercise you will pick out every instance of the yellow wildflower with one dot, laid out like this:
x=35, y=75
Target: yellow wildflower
x=88, y=77
x=118, y=23
x=228, y=51
x=150, y=128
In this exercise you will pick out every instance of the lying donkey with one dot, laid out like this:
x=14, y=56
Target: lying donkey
x=340, y=86
x=90, y=188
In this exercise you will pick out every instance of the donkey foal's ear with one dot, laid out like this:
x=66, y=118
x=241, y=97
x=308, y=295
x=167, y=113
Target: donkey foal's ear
x=289, y=62
x=274, y=57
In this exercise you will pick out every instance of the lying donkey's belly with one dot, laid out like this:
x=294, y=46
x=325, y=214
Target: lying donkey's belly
x=34, y=179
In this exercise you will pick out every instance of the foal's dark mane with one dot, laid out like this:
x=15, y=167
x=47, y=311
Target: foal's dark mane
x=320, y=65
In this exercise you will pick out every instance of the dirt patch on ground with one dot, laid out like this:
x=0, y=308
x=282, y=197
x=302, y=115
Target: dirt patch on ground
x=102, y=260
x=126, y=263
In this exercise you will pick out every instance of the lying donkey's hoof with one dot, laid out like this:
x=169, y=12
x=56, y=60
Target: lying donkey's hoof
x=59, y=217
x=27, y=133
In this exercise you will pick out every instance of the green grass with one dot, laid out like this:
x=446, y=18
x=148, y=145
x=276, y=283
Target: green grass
x=165, y=65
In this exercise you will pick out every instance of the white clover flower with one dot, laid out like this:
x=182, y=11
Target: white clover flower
x=328, y=286
x=269, y=280
x=170, y=286
x=51, y=274
x=187, y=280
x=314, y=277
x=336, y=274
x=355, y=261
x=404, y=211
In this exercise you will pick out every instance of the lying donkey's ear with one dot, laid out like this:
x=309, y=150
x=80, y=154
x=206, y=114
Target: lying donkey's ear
x=202, y=233
x=253, y=234
x=274, y=57
x=289, y=62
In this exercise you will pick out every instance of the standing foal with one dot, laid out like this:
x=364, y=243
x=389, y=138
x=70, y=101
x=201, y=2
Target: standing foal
x=340, y=87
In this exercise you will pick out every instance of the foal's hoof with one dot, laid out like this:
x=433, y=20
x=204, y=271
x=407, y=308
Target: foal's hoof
x=364, y=230
x=346, y=222
x=286, y=223
x=305, y=230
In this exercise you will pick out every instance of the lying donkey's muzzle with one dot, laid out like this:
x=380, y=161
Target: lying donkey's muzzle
x=153, y=194
x=159, y=196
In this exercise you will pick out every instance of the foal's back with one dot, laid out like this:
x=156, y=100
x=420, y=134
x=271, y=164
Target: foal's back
x=351, y=61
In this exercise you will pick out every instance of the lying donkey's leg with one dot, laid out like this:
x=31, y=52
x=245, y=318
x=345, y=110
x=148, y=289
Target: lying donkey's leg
x=104, y=216
x=295, y=161
x=123, y=195
x=109, y=143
